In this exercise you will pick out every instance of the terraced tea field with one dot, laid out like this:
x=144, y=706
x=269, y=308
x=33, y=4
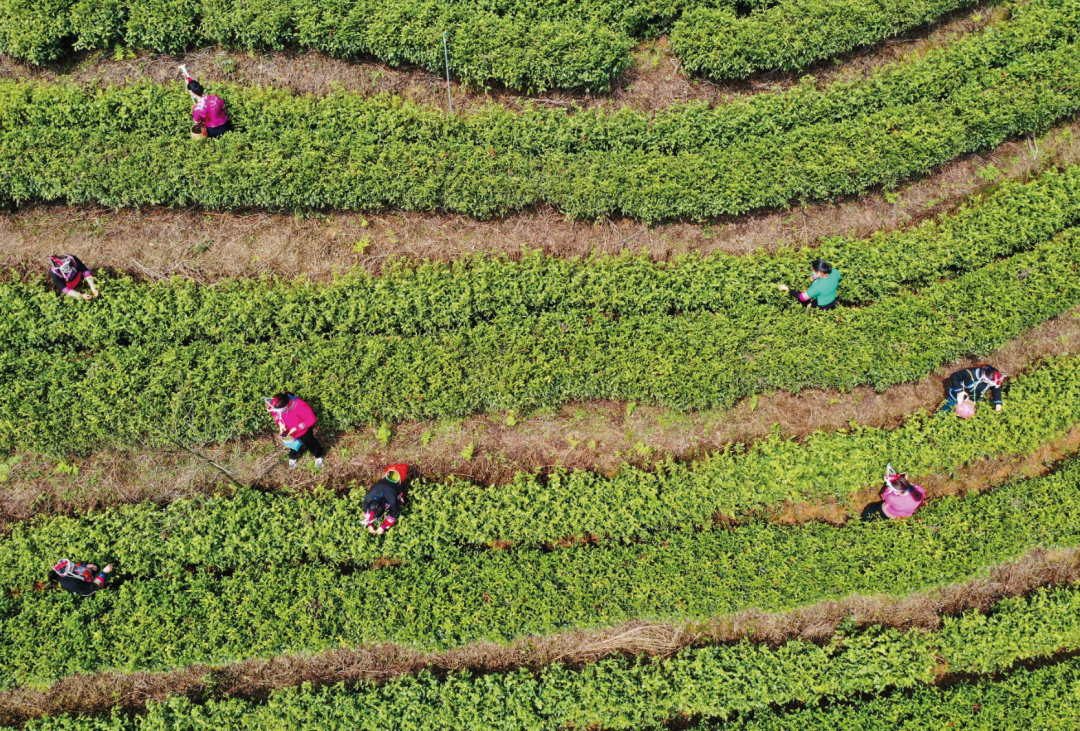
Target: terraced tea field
x=636, y=466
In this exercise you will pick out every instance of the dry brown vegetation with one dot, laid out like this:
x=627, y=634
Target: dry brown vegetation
x=599, y=436
x=817, y=623
x=205, y=246
x=654, y=81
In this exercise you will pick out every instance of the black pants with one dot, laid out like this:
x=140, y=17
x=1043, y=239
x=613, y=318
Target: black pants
x=874, y=511
x=219, y=130
x=307, y=439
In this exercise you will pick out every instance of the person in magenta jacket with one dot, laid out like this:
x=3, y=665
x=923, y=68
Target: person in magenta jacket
x=209, y=110
x=295, y=419
x=899, y=498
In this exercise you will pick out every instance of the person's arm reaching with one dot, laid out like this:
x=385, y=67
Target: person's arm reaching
x=391, y=517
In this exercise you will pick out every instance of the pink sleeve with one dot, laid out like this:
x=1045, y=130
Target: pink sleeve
x=304, y=412
x=198, y=114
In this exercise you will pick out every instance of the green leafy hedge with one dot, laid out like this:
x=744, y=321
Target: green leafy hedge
x=124, y=146
x=534, y=45
x=409, y=300
x=558, y=50
x=200, y=615
x=253, y=529
x=211, y=391
x=619, y=693
x=793, y=34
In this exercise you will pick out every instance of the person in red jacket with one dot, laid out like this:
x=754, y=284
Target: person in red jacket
x=79, y=578
x=385, y=498
x=899, y=498
x=294, y=419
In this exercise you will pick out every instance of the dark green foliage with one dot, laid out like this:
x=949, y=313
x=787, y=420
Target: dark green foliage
x=124, y=146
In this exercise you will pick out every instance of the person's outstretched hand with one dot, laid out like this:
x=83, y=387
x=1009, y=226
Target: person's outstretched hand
x=87, y=296
x=997, y=407
x=782, y=287
x=380, y=531
x=107, y=569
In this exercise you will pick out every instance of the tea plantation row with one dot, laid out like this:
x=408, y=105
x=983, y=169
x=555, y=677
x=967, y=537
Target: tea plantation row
x=455, y=597
x=407, y=300
x=126, y=146
x=257, y=530
x=141, y=395
x=534, y=46
x=721, y=682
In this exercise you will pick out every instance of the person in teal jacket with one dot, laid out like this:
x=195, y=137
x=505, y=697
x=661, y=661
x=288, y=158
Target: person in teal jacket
x=824, y=280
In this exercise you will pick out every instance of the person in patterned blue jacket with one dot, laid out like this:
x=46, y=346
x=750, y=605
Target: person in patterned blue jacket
x=976, y=382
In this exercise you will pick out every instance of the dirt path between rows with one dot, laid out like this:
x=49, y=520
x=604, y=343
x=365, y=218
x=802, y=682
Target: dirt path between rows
x=206, y=246
x=255, y=679
x=654, y=81
x=491, y=448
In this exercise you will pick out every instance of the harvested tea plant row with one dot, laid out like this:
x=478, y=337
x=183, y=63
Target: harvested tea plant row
x=128, y=146
x=412, y=300
x=454, y=598
x=146, y=395
x=251, y=529
x=718, y=682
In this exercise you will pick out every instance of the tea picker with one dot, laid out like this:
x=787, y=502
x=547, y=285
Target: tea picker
x=79, y=578
x=385, y=498
x=824, y=281
x=899, y=498
x=208, y=112
x=295, y=419
x=67, y=273
x=967, y=386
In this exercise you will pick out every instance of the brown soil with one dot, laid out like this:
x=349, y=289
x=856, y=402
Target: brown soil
x=255, y=679
x=205, y=246
x=489, y=449
x=655, y=80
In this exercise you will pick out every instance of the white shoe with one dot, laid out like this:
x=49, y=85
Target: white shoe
x=318, y=462
x=292, y=464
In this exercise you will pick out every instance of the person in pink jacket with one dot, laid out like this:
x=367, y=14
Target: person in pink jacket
x=294, y=419
x=899, y=498
x=209, y=110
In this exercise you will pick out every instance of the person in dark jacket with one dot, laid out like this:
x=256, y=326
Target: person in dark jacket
x=385, y=498
x=67, y=273
x=976, y=383
x=79, y=578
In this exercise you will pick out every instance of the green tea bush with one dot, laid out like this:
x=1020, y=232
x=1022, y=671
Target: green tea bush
x=199, y=614
x=202, y=391
x=253, y=529
x=721, y=682
x=409, y=300
x=536, y=52
x=125, y=146
x=793, y=34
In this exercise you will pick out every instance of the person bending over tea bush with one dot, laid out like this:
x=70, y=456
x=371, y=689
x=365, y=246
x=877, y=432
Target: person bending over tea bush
x=899, y=498
x=385, y=498
x=975, y=383
x=79, y=578
x=67, y=273
x=209, y=110
x=294, y=419
x=824, y=280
